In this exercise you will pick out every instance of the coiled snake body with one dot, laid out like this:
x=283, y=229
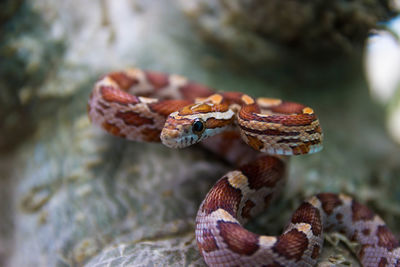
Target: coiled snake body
x=149, y=106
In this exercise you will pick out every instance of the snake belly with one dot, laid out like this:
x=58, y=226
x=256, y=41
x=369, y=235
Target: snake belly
x=150, y=106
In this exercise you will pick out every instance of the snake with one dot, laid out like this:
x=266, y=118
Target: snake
x=258, y=135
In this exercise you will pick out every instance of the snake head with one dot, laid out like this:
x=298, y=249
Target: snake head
x=194, y=123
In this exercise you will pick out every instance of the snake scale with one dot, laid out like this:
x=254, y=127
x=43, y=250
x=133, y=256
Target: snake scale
x=152, y=107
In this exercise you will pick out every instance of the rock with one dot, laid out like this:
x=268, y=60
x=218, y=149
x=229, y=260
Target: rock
x=257, y=31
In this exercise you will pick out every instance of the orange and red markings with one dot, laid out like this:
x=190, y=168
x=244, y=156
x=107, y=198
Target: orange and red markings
x=112, y=129
x=213, y=123
x=237, y=238
x=111, y=94
x=157, y=79
x=383, y=262
x=247, y=100
x=272, y=132
x=288, y=108
x=215, y=98
x=265, y=102
x=248, y=206
x=222, y=195
x=264, y=172
x=249, y=113
x=134, y=119
x=209, y=243
x=315, y=252
x=166, y=107
x=193, y=90
x=307, y=213
x=233, y=97
x=203, y=108
x=303, y=148
x=361, y=212
x=317, y=129
x=294, y=120
x=291, y=245
x=308, y=110
x=296, y=140
x=386, y=238
x=254, y=142
x=123, y=80
x=150, y=134
x=329, y=202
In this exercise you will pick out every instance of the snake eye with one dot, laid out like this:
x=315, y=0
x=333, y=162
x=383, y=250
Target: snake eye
x=198, y=127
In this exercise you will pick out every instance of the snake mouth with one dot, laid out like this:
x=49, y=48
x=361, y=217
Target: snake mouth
x=173, y=139
x=168, y=137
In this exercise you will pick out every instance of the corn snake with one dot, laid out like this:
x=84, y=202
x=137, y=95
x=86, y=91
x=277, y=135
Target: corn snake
x=152, y=107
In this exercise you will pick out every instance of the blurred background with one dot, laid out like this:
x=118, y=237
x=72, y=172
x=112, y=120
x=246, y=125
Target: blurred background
x=70, y=195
